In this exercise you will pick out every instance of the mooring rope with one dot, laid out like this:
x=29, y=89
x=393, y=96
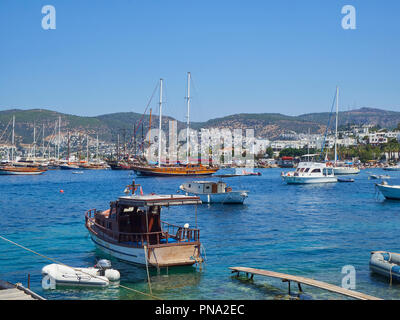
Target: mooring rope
x=54, y=260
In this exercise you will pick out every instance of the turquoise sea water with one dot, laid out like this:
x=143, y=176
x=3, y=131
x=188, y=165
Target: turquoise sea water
x=311, y=231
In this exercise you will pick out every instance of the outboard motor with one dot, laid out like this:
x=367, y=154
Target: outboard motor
x=104, y=267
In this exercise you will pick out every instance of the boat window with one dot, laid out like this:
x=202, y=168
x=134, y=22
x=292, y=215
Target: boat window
x=190, y=185
x=130, y=209
x=302, y=169
x=316, y=170
x=306, y=170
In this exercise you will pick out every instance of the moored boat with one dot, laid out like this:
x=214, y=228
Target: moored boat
x=391, y=192
x=310, y=172
x=15, y=170
x=132, y=230
x=100, y=275
x=386, y=264
x=167, y=171
x=214, y=192
x=393, y=168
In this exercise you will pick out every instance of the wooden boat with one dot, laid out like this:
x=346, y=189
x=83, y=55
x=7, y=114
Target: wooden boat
x=386, y=264
x=182, y=170
x=131, y=230
x=214, y=192
x=14, y=170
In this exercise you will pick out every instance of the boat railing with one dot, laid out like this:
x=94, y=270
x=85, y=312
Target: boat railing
x=169, y=233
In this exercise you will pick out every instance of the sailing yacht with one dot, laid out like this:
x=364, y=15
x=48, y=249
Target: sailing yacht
x=187, y=169
x=341, y=168
x=13, y=168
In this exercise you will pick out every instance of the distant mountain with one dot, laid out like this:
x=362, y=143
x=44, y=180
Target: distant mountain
x=108, y=126
x=383, y=118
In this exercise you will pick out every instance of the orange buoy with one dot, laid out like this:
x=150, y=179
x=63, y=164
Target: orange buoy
x=61, y=191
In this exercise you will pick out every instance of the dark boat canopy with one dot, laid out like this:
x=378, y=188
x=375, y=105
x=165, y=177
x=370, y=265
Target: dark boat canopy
x=158, y=200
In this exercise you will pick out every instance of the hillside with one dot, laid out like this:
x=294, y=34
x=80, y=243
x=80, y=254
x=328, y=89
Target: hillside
x=266, y=125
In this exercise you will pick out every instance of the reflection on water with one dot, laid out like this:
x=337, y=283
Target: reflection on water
x=307, y=230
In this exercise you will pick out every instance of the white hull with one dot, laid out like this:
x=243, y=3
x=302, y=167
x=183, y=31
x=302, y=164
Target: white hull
x=226, y=197
x=308, y=180
x=132, y=255
x=392, y=169
x=345, y=170
x=389, y=192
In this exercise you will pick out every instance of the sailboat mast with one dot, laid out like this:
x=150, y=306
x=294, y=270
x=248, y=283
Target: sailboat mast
x=13, y=140
x=337, y=113
x=159, y=129
x=87, y=149
x=188, y=117
x=34, y=140
x=59, y=137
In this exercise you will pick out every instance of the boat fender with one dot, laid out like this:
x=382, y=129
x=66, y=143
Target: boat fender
x=48, y=282
x=112, y=274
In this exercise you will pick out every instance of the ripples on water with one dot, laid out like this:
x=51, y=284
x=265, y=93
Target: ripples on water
x=311, y=231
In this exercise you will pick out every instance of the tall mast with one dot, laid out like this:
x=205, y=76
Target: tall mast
x=337, y=113
x=117, y=146
x=59, y=137
x=34, y=140
x=150, y=128
x=13, y=140
x=159, y=130
x=188, y=118
x=43, y=142
x=68, y=148
x=97, y=148
x=87, y=149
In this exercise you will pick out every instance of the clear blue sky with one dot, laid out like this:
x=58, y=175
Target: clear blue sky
x=282, y=56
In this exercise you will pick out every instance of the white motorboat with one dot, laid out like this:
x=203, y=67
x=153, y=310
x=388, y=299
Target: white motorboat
x=389, y=191
x=214, y=192
x=393, y=168
x=61, y=275
x=310, y=172
x=345, y=170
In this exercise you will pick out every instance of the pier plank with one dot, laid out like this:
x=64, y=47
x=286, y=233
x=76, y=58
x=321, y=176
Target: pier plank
x=306, y=281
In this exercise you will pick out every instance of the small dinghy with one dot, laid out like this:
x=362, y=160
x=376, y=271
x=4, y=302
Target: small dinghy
x=386, y=264
x=345, y=180
x=60, y=275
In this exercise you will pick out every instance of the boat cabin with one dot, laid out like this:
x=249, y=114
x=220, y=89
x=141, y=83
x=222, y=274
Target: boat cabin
x=313, y=169
x=135, y=220
x=206, y=187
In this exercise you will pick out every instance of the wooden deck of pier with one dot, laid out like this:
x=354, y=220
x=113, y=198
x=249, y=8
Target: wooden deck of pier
x=302, y=280
x=9, y=291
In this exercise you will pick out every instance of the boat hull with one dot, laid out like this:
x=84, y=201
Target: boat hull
x=161, y=256
x=20, y=172
x=308, y=180
x=386, y=264
x=170, y=172
x=345, y=170
x=389, y=192
x=392, y=169
x=233, y=197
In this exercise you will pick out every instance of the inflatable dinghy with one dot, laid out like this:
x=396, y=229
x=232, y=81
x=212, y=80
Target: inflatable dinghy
x=386, y=264
x=60, y=275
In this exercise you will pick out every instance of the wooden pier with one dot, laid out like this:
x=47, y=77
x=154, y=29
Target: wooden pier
x=9, y=291
x=302, y=280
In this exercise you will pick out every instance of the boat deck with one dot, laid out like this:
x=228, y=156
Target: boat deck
x=302, y=280
x=9, y=291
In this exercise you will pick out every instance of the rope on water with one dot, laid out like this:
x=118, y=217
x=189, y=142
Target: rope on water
x=54, y=260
